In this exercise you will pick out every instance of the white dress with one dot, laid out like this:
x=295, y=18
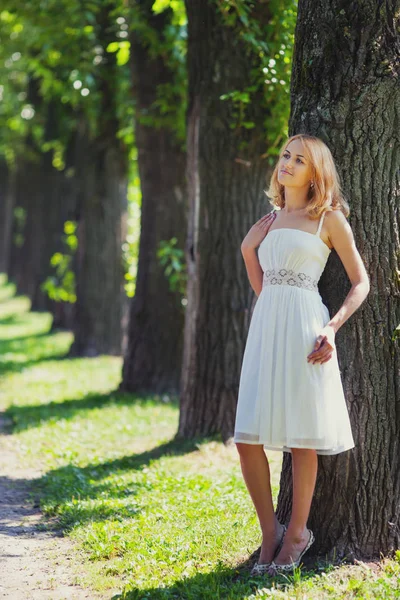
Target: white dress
x=285, y=401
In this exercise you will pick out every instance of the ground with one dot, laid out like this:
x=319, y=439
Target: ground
x=35, y=564
x=99, y=500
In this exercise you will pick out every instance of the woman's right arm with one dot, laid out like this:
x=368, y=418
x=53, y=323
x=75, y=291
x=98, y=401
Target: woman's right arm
x=253, y=268
x=249, y=251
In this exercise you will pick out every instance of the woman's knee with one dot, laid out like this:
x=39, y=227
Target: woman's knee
x=245, y=450
x=304, y=452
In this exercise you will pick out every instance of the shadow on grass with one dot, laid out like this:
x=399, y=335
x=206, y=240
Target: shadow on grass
x=20, y=351
x=16, y=366
x=223, y=583
x=12, y=318
x=19, y=339
x=27, y=417
x=65, y=488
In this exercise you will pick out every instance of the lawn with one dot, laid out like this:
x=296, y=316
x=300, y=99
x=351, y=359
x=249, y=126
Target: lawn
x=150, y=516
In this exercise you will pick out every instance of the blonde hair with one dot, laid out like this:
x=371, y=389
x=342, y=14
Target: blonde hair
x=326, y=194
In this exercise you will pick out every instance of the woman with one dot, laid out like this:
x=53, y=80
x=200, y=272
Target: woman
x=290, y=394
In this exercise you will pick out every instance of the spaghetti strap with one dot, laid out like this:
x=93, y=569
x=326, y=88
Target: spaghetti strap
x=320, y=224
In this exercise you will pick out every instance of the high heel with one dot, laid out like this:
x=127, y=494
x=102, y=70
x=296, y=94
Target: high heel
x=260, y=569
x=291, y=566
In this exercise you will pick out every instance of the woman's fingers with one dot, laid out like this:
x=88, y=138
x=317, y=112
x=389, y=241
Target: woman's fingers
x=261, y=221
x=326, y=360
x=263, y=224
x=265, y=220
x=265, y=217
x=323, y=353
x=321, y=357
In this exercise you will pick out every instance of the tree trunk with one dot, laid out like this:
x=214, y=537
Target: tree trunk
x=46, y=197
x=102, y=161
x=28, y=231
x=39, y=194
x=226, y=178
x=102, y=210
x=155, y=338
x=7, y=199
x=345, y=90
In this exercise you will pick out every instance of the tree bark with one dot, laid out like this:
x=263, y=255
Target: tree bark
x=155, y=337
x=102, y=164
x=101, y=214
x=40, y=193
x=7, y=200
x=226, y=178
x=345, y=90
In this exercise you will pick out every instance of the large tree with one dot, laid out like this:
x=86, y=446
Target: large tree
x=345, y=90
x=155, y=335
x=102, y=175
x=231, y=102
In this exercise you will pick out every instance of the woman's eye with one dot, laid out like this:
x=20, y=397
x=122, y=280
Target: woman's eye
x=287, y=156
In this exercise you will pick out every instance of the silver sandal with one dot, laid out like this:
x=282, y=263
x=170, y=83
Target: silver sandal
x=296, y=563
x=260, y=569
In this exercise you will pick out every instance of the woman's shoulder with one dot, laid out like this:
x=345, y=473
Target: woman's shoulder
x=338, y=228
x=335, y=218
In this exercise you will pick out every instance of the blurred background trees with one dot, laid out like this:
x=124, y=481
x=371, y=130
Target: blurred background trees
x=99, y=224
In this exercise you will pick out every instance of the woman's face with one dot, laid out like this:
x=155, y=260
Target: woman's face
x=294, y=169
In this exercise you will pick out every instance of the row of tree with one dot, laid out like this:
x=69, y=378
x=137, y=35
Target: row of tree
x=102, y=94
x=206, y=85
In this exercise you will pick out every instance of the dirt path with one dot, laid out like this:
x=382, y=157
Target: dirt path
x=34, y=564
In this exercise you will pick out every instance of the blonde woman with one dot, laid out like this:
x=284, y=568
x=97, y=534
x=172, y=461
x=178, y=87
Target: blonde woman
x=290, y=395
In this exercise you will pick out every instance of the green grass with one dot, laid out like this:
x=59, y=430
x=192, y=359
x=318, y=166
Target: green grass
x=149, y=516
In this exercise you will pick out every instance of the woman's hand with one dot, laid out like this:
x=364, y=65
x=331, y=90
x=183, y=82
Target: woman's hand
x=258, y=232
x=324, y=346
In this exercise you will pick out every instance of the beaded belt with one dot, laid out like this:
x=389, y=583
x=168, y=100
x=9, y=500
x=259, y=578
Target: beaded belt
x=289, y=277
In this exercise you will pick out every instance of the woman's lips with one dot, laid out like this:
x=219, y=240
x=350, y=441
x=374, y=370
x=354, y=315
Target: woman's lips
x=283, y=171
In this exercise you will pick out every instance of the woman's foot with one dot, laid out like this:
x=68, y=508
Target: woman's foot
x=270, y=544
x=293, y=549
x=270, y=547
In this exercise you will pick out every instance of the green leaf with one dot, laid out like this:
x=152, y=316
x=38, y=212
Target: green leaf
x=113, y=47
x=123, y=55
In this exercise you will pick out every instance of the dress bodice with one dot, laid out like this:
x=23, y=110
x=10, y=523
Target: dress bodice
x=293, y=256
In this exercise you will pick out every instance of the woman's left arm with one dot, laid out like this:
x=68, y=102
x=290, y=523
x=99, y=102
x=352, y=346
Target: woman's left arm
x=342, y=239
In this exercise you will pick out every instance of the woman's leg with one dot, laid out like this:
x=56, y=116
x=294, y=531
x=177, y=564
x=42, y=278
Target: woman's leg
x=256, y=473
x=304, y=469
